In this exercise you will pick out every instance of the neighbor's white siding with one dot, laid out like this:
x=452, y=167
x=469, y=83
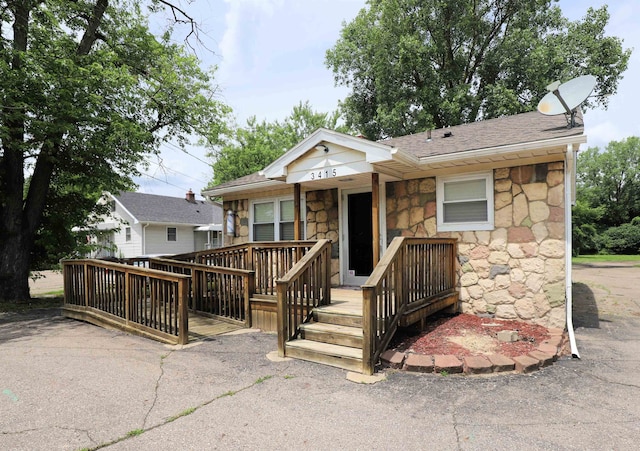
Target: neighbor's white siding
x=156, y=240
x=128, y=249
x=200, y=240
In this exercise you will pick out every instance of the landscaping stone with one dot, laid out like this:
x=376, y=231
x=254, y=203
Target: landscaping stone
x=548, y=348
x=419, y=363
x=449, y=363
x=526, y=364
x=544, y=358
x=501, y=363
x=508, y=336
x=477, y=365
x=393, y=359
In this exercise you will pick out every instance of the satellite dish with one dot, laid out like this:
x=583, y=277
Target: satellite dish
x=566, y=97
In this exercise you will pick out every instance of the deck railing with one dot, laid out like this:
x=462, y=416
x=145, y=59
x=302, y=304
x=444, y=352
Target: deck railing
x=412, y=274
x=214, y=290
x=139, y=300
x=306, y=286
x=270, y=260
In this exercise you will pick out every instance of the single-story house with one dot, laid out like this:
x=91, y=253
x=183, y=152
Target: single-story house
x=502, y=187
x=148, y=224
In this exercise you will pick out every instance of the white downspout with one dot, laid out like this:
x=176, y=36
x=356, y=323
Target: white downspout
x=569, y=180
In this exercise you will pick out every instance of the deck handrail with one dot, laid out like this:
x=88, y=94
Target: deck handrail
x=409, y=275
x=305, y=286
x=214, y=290
x=139, y=300
x=269, y=259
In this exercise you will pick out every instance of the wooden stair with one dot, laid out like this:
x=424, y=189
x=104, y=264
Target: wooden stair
x=334, y=337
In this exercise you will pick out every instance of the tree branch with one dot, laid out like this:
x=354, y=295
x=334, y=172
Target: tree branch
x=91, y=33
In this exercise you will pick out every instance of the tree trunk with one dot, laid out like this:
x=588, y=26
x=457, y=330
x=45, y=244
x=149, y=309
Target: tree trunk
x=14, y=268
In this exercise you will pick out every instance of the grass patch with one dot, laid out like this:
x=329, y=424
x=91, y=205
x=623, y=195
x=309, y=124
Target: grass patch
x=184, y=413
x=604, y=258
x=262, y=379
x=31, y=304
x=135, y=432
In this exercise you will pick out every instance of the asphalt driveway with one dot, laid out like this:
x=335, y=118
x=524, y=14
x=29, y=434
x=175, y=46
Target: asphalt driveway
x=67, y=385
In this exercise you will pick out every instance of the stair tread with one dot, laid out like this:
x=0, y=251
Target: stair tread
x=327, y=348
x=333, y=328
x=334, y=309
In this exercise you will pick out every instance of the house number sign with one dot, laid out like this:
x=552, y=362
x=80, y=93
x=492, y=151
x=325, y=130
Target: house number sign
x=323, y=174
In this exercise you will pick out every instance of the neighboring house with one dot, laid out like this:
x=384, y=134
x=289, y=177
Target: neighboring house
x=503, y=187
x=148, y=224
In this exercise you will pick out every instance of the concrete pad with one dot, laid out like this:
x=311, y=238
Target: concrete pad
x=359, y=378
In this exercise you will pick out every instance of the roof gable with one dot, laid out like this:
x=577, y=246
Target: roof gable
x=371, y=152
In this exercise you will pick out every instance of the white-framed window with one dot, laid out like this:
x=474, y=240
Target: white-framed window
x=127, y=234
x=172, y=234
x=272, y=219
x=465, y=202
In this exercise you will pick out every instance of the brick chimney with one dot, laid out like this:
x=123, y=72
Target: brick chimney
x=191, y=197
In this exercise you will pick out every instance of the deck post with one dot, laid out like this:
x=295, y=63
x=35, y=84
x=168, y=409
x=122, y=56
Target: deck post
x=127, y=297
x=87, y=284
x=297, y=229
x=375, y=216
x=401, y=289
x=183, y=312
x=249, y=289
x=283, y=317
x=368, y=330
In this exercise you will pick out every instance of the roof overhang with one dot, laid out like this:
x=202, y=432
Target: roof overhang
x=258, y=186
x=209, y=228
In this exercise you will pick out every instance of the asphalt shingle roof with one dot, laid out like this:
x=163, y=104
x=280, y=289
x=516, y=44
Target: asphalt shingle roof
x=171, y=210
x=502, y=131
x=491, y=133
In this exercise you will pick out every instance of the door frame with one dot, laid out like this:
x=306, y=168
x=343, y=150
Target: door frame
x=343, y=206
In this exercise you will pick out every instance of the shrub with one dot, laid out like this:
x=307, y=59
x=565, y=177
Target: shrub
x=624, y=239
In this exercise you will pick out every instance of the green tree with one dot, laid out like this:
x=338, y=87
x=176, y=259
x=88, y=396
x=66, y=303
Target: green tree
x=255, y=146
x=611, y=180
x=417, y=64
x=87, y=93
x=585, y=220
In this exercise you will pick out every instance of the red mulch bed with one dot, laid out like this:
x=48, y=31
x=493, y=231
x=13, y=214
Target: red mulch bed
x=471, y=330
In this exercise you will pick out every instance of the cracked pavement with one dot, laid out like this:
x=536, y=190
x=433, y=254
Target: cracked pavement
x=67, y=385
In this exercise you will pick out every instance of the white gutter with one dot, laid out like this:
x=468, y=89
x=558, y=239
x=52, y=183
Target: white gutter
x=568, y=202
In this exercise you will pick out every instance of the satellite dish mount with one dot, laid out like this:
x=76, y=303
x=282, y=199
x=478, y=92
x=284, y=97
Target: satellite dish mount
x=565, y=98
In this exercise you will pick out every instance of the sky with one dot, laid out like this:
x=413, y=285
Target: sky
x=270, y=56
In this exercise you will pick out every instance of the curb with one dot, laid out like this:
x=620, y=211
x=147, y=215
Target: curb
x=544, y=355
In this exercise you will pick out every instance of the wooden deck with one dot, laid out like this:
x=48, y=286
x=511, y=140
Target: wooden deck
x=202, y=327
x=343, y=300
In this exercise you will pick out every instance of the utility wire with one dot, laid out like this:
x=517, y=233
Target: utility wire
x=164, y=168
x=208, y=163
x=163, y=181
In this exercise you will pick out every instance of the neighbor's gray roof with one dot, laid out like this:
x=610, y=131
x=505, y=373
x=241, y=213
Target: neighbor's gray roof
x=502, y=131
x=170, y=210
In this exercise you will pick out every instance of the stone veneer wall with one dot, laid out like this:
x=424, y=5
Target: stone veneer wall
x=241, y=208
x=323, y=223
x=515, y=271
